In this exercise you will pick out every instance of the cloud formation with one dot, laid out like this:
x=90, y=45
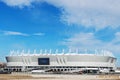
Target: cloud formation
x=88, y=40
x=39, y=34
x=15, y=33
x=89, y=13
x=19, y=3
x=10, y=33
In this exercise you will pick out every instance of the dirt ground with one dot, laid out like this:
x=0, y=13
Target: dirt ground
x=57, y=77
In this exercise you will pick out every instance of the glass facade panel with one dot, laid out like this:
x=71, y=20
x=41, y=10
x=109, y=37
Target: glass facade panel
x=43, y=61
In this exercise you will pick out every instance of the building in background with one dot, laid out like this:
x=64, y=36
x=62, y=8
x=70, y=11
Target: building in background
x=48, y=61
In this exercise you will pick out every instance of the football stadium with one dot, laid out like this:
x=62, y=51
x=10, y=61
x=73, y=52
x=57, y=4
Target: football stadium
x=61, y=62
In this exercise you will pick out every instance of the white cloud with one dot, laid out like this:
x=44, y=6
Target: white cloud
x=14, y=33
x=19, y=3
x=39, y=34
x=97, y=13
x=84, y=40
x=88, y=40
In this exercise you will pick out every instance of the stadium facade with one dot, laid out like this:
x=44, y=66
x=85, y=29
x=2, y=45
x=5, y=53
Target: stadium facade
x=60, y=62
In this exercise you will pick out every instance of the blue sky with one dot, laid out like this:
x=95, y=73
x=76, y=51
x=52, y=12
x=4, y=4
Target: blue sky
x=58, y=24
